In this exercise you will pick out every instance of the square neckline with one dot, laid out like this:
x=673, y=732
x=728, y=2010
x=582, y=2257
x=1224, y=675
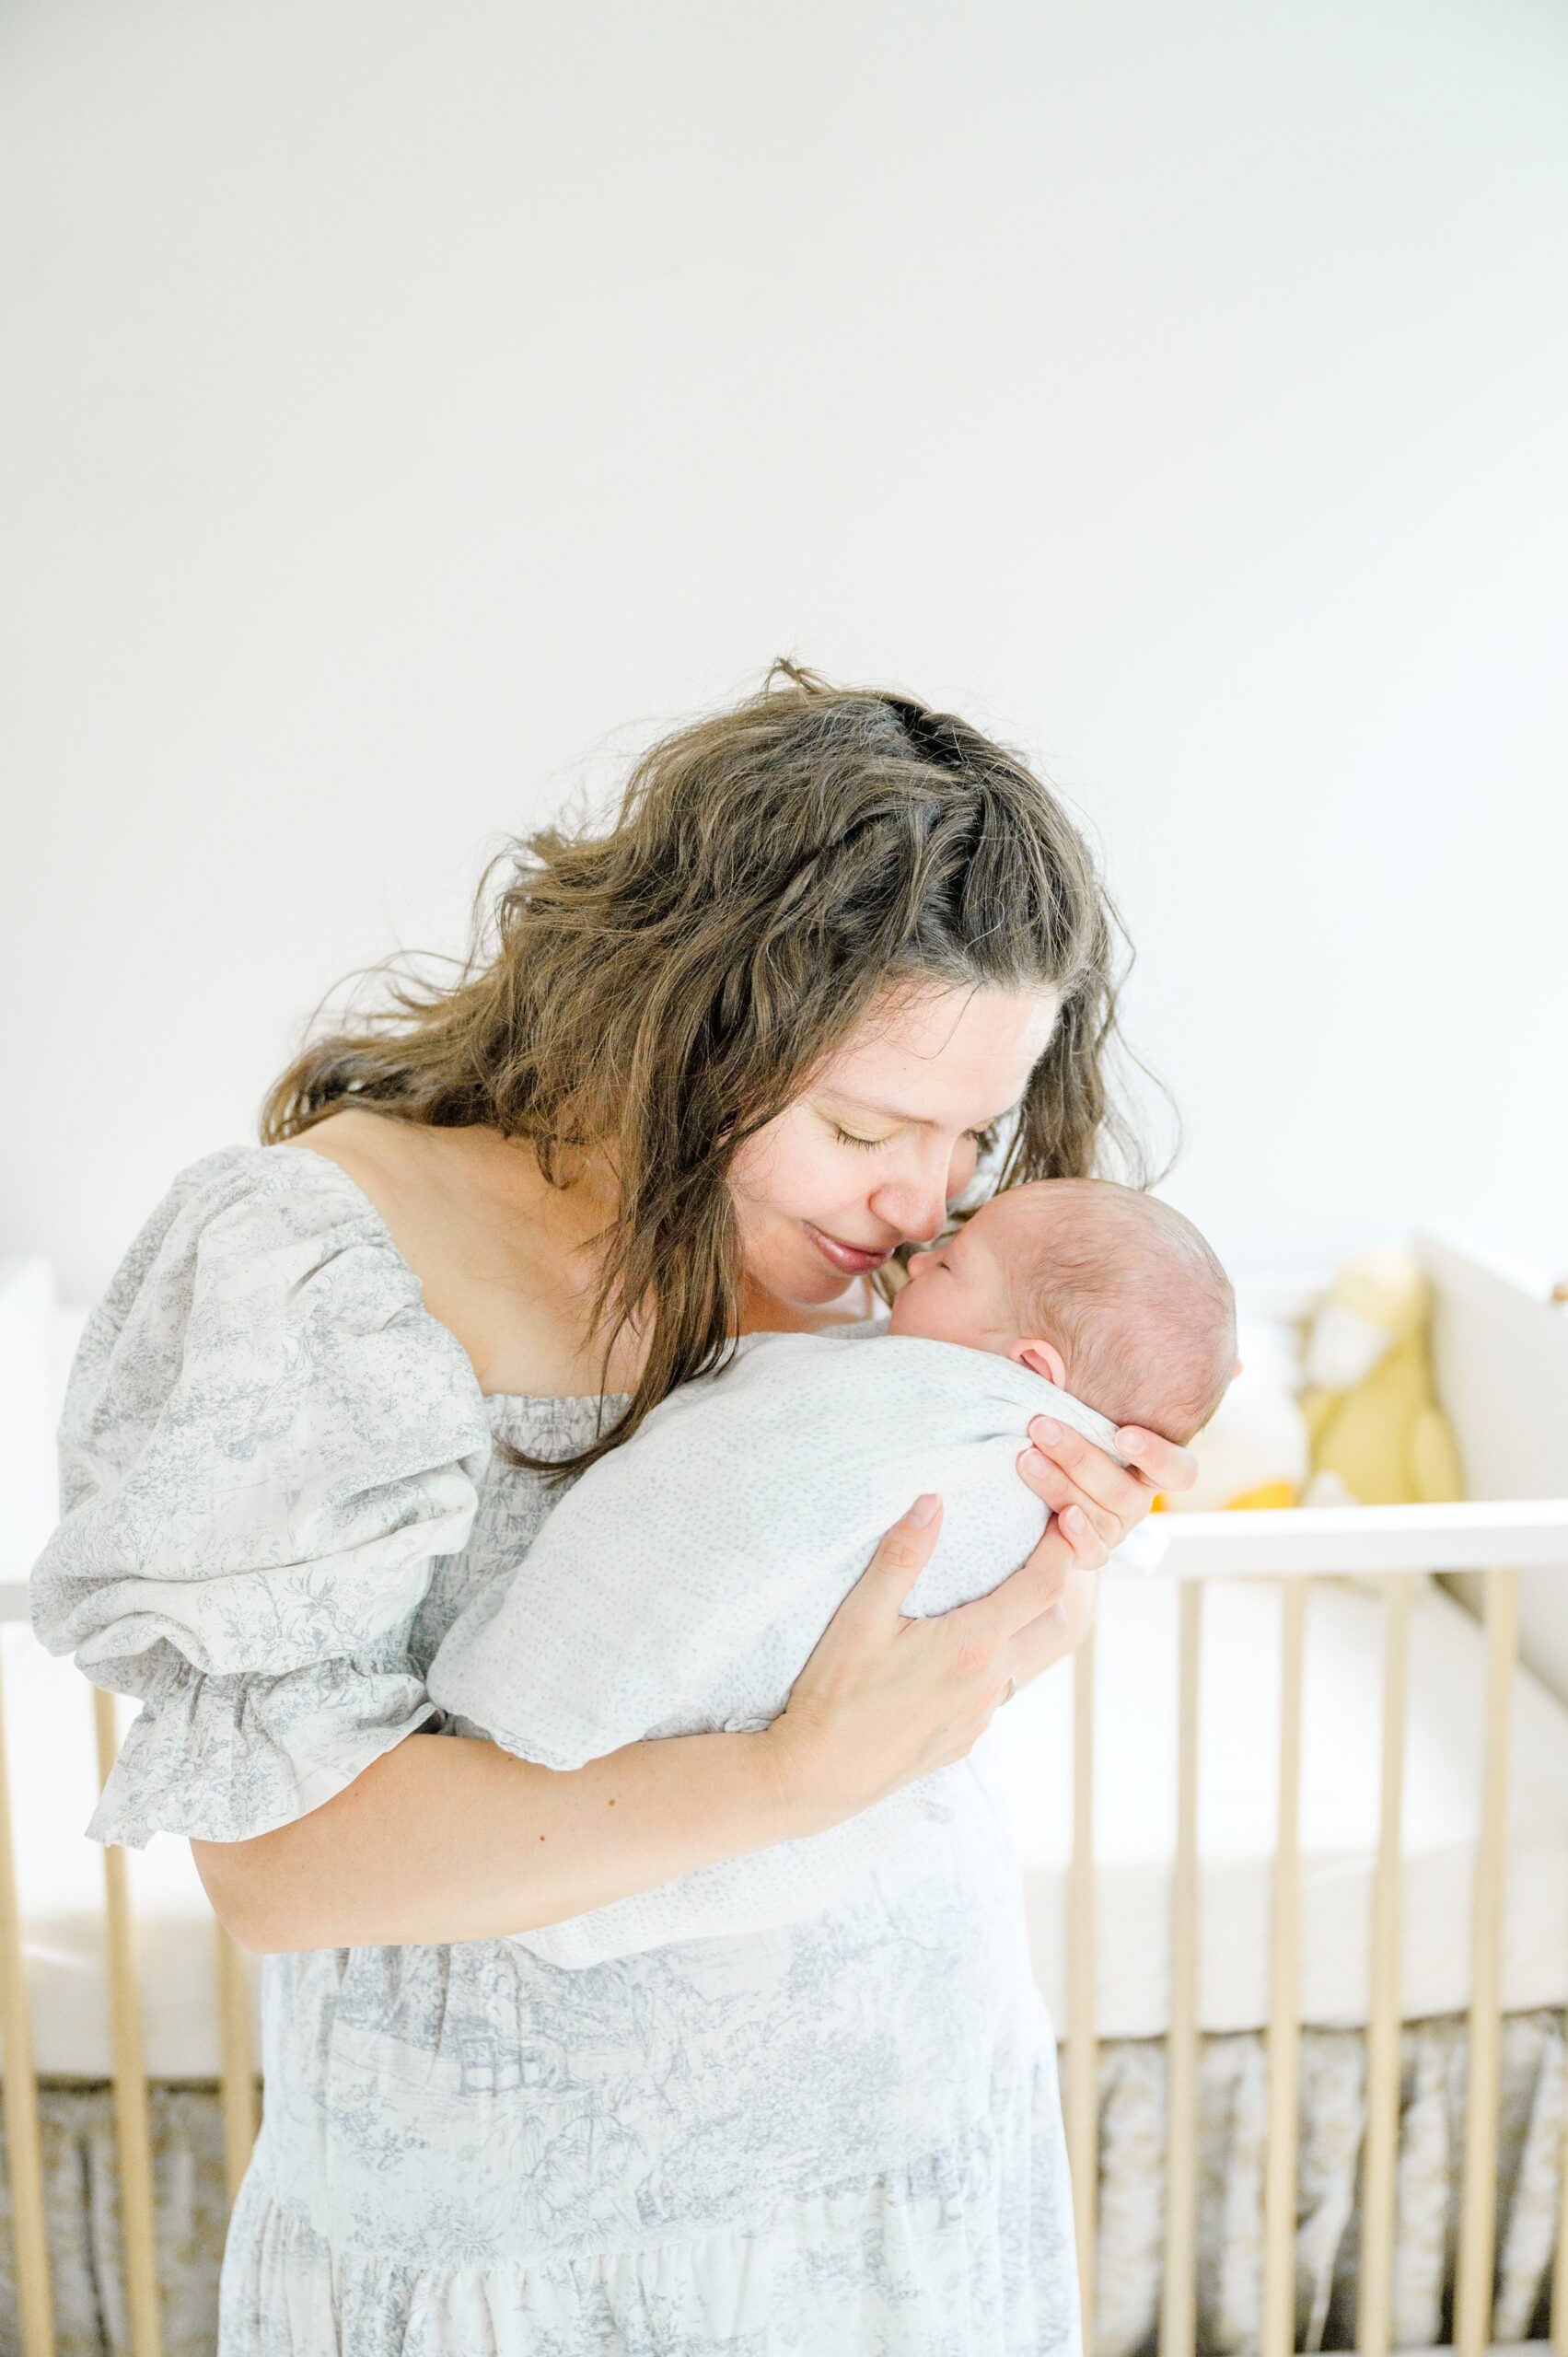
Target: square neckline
x=548, y=1400
x=514, y=1399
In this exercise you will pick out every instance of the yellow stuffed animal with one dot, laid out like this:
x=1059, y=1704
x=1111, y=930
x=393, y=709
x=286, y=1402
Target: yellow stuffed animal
x=1378, y=1437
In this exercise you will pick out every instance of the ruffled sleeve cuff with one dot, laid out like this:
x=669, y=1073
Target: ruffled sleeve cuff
x=219, y=1759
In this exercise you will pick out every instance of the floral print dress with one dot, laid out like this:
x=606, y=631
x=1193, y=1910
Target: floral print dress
x=841, y=2137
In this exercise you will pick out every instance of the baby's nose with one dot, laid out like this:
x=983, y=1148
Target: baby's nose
x=917, y=1261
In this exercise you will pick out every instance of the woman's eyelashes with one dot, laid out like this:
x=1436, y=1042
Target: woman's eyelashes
x=981, y=1140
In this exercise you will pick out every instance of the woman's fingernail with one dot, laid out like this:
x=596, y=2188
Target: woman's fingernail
x=1046, y=1429
x=924, y=1508
x=1132, y=1437
x=1031, y=1461
x=1073, y=1520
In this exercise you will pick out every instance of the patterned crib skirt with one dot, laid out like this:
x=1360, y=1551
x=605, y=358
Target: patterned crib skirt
x=79, y=2152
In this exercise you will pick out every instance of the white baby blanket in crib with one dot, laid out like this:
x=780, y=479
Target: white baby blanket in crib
x=680, y=1584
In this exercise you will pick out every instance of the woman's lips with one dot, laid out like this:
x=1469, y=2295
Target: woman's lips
x=849, y=1258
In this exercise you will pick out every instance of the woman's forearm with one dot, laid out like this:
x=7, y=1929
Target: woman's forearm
x=447, y=1838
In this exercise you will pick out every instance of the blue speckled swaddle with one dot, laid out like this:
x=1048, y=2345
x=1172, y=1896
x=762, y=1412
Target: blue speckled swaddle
x=680, y=1585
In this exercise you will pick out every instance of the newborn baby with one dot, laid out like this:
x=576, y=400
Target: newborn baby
x=682, y=1582
x=1104, y=1292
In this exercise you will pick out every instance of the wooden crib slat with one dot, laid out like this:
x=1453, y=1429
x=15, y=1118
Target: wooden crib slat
x=24, y=2143
x=1559, y=2325
x=1478, y=2199
x=1179, y=2299
x=1380, y=2151
x=1083, y=2059
x=130, y=2075
x=1277, y=2338
x=237, y=2063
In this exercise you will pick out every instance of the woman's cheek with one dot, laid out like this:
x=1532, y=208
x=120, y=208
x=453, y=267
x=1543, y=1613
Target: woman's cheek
x=781, y=1175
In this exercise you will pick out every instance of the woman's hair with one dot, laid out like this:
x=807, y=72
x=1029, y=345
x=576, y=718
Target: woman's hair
x=663, y=988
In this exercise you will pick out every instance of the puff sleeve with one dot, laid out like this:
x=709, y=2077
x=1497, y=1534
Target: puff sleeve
x=267, y=1442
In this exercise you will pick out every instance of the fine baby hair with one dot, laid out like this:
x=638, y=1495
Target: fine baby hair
x=1132, y=1296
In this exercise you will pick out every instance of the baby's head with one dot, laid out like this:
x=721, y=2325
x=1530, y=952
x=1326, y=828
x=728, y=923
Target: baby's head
x=1105, y=1292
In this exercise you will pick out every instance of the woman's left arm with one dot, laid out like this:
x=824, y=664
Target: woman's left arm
x=1095, y=1502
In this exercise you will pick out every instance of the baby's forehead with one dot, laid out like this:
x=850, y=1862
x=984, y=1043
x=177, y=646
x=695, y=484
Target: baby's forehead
x=1023, y=1218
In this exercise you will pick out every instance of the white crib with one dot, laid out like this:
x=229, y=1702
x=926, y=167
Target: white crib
x=1290, y=1782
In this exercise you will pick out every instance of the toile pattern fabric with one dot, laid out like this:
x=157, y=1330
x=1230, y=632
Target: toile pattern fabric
x=280, y=1486
x=681, y=1584
x=81, y=2198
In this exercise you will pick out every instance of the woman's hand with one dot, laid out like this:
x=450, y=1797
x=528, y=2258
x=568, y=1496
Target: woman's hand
x=1095, y=1502
x=883, y=1699
x=1097, y=1499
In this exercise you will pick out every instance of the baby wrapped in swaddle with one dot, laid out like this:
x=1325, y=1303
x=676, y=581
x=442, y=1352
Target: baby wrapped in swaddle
x=680, y=1584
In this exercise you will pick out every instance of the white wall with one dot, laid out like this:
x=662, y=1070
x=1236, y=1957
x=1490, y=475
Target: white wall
x=411, y=395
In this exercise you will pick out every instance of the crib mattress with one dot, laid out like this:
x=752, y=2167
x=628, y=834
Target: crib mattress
x=1025, y=1760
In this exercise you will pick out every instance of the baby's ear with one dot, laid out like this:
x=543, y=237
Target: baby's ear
x=1045, y=1359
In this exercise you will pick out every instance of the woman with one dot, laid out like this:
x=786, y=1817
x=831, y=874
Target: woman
x=710, y=1071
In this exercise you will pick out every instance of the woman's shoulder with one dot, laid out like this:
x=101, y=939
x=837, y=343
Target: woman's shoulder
x=258, y=1259
x=269, y=1194
x=505, y=1260
x=245, y=1210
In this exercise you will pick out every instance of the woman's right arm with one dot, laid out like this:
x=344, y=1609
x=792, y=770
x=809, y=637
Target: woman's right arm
x=448, y=1838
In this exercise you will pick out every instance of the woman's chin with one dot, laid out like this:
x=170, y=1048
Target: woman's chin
x=802, y=1279
x=820, y=1288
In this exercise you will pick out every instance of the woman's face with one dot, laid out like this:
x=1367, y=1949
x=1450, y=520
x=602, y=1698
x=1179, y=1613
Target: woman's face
x=871, y=1154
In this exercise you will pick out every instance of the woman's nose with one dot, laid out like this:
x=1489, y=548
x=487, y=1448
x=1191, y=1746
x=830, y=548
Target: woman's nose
x=916, y=1205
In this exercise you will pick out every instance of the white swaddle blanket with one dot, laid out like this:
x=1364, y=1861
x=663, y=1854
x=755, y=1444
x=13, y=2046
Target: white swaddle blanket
x=682, y=1583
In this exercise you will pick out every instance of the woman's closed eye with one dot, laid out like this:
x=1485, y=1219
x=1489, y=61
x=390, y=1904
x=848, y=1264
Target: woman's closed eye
x=981, y=1140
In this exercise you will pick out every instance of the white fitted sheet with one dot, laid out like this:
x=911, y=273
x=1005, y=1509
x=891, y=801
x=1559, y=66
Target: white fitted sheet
x=1026, y=1759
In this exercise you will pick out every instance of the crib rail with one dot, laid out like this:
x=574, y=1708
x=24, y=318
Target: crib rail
x=1497, y=1541
x=19, y=2081
x=35, y=2301
x=1528, y=1533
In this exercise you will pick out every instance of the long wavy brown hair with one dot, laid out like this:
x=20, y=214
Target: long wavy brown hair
x=661, y=988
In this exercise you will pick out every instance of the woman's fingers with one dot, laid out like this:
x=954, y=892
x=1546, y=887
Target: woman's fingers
x=1034, y=1588
x=1096, y=1478
x=901, y=1559
x=1115, y=1497
x=1039, y=1645
x=1063, y=1495
x=1163, y=1465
